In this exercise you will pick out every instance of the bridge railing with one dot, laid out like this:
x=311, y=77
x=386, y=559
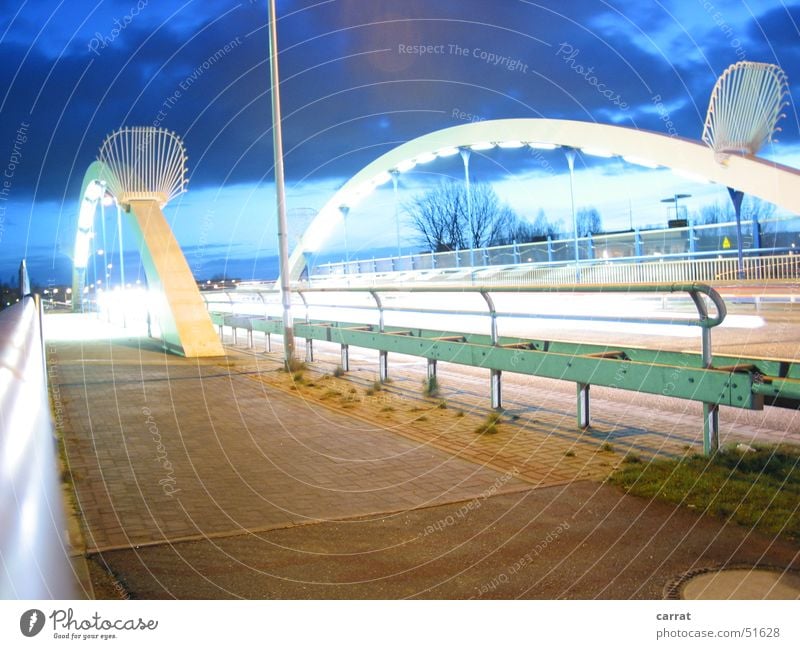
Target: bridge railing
x=694, y=242
x=35, y=555
x=601, y=365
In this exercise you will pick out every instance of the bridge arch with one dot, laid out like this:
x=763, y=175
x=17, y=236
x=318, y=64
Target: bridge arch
x=767, y=180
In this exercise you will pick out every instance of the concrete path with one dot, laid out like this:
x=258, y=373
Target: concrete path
x=198, y=479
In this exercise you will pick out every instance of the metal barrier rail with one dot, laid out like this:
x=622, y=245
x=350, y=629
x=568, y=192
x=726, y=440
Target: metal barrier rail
x=686, y=242
x=732, y=381
x=628, y=271
x=34, y=552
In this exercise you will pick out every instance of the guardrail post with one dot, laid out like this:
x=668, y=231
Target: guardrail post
x=710, y=410
x=710, y=428
x=268, y=343
x=309, y=350
x=431, y=368
x=637, y=245
x=549, y=249
x=383, y=356
x=497, y=389
x=383, y=366
x=346, y=358
x=495, y=378
x=583, y=406
x=250, y=337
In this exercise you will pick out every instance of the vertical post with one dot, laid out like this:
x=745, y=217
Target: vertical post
x=383, y=365
x=497, y=389
x=637, y=244
x=549, y=248
x=344, y=209
x=583, y=406
x=516, y=252
x=121, y=261
x=395, y=180
x=736, y=198
x=692, y=242
x=570, y=153
x=465, y=153
x=710, y=428
x=268, y=342
x=710, y=410
x=280, y=191
x=431, y=368
x=756, y=233
x=309, y=350
x=346, y=358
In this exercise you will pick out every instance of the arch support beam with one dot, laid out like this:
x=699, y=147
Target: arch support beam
x=176, y=303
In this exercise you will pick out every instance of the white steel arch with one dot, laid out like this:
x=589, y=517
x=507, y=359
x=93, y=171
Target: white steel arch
x=143, y=168
x=767, y=180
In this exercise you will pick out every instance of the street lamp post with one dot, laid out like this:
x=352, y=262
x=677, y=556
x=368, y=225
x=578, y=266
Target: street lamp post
x=395, y=179
x=465, y=153
x=345, y=210
x=280, y=191
x=570, y=153
x=736, y=198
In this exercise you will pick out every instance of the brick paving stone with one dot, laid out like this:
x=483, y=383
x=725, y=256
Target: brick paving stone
x=183, y=449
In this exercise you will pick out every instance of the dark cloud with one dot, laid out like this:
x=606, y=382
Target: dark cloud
x=355, y=82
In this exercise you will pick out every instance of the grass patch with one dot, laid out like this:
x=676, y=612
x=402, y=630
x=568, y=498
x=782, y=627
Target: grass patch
x=430, y=387
x=489, y=425
x=387, y=409
x=569, y=454
x=607, y=448
x=758, y=490
x=442, y=405
x=298, y=378
x=338, y=371
x=295, y=365
x=459, y=413
x=377, y=386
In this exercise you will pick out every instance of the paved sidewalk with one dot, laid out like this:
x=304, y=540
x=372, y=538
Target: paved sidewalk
x=200, y=479
x=168, y=448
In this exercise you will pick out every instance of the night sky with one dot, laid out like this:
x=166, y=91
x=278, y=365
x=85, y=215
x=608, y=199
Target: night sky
x=358, y=78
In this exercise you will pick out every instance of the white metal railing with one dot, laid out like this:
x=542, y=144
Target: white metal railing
x=768, y=237
x=767, y=268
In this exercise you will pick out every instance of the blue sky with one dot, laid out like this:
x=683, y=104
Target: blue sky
x=359, y=77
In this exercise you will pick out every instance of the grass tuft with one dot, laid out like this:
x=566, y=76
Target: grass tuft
x=430, y=387
x=759, y=490
x=490, y=424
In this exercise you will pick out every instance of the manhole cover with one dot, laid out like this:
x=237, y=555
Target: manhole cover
x=741, y=583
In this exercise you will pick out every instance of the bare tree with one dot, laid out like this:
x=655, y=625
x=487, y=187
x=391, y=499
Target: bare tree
x=446, y=220
x=588, y=221
x=715, y=212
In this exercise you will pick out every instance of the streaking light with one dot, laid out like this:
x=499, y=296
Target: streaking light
x=447, y=152
x=642, y=162
x=406, y=165
x=597, y=153
x=425, y=157
x=511, y=144
x=482, y=146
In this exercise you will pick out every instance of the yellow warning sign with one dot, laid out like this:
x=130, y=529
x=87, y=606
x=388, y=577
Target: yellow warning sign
x=726, y=243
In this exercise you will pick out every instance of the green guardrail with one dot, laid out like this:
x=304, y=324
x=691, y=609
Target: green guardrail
x=724, y=380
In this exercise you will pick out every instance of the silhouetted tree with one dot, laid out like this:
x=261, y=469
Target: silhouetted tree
x=441, y=218
x=588, y=221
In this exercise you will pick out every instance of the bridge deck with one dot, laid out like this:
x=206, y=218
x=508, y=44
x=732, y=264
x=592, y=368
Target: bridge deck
x=214, y=478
